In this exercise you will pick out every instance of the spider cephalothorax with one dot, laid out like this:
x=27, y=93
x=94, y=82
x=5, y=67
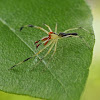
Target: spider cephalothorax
x=50, y=40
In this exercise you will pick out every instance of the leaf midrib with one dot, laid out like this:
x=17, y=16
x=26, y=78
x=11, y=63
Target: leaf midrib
x=13, y=30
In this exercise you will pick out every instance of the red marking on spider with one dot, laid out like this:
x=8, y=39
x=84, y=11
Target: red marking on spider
x=44, y=39
x=51, y=33
x=37, y=41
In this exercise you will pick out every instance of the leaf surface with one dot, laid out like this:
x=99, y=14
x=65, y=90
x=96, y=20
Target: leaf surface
x=64, y=77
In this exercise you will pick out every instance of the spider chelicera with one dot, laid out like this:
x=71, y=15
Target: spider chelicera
x=50, y=40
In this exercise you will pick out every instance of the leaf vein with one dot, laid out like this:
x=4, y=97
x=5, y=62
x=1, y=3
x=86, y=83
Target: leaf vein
x=5, y=23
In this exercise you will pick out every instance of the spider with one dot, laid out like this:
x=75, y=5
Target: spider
x=50, y=40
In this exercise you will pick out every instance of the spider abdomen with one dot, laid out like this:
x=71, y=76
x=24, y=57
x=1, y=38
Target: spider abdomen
x=67, y=34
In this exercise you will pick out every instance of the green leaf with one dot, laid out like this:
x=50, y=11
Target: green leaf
x=65, y=75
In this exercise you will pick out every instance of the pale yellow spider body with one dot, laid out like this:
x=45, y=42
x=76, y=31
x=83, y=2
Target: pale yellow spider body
x=54, y=36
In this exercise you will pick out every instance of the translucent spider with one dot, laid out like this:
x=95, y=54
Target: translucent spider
x=51, y=40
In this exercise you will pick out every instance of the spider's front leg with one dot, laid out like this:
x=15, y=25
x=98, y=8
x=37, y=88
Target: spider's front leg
x=44, y=41
x=48, y=27
x=37, y=27
x=56, y=28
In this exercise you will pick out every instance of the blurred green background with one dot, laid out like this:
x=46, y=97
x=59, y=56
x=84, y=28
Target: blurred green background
x=92, y=89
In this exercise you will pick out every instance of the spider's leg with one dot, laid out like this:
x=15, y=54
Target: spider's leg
x=54, y=43
x=20, y=62
x=49, y=50
x=54, y=49
x=45, y=54
x=75, y=29
x=44, y=41
x=81, y=39
x=56, y=28
x=44, y=47
x=48, y=27
x=53, y=52
x=37, y=27
x=31, y=56
x=85, y=42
